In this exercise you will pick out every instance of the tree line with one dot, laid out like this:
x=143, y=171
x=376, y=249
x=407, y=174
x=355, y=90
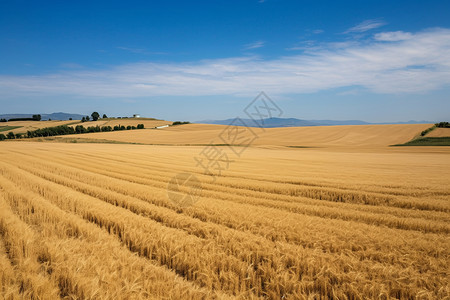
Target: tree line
x=437, y=125
x=33, y=118
x=65, y=130
x=95, y=116
x=180, y=123
x=443, y=125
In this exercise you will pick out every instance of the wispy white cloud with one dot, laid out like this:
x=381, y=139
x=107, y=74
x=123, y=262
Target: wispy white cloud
x=305, y=45
x=138, y=50
x=254, y=45
x=417, y=64
x=393, y=36
x=317, y=31
x=365, y=26
x=132, y=50
x=71, y=66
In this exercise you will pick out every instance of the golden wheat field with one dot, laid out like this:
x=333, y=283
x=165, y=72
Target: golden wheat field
x=439, y=132
x=94, y=221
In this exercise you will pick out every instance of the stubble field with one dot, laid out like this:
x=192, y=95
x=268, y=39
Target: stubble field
x=93, y=221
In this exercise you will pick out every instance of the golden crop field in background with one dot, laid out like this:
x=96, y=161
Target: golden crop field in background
x=93, y=221
x=439, y=132
x=320, y=136
x=24, y=126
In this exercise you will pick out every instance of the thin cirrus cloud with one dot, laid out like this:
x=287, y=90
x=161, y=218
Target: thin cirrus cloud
x=254, y=45
x=389, y=62
x=139, y=51
x=393, y=36
x=365, y=26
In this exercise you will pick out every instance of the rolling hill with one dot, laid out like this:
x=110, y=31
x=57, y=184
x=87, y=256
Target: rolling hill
x=320, y=136
x=293, y=122
x=24, y=126
x=439, y=132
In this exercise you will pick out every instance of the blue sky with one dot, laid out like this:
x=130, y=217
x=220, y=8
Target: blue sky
x=377, y=61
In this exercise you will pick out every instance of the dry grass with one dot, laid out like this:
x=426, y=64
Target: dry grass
x=82, y=221
x=324, y=136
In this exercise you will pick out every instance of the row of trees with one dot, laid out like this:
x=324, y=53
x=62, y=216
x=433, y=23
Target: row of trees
x=95, y=116
x=33, y=118
x=442, y=125
x=10, y=136
x=437, y=125
x=65, y=130
x=180, y=123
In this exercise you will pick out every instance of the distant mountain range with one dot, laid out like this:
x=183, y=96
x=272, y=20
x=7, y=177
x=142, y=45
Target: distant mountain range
x=293, y=122
x=54, y=116
x=267, y=123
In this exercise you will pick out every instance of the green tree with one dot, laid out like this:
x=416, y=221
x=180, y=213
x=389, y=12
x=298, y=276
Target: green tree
x=11, y=135
x=36, y=117
x=443, y=125
x=2, y=137
x=95, y=115
x=104, y=116
x=87, y=118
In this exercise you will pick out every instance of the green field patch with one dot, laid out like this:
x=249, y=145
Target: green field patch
x=8, y=128
x=428, y=141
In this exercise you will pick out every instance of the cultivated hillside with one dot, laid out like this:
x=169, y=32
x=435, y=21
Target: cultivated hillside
x=24, y=126
x=322, y=136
